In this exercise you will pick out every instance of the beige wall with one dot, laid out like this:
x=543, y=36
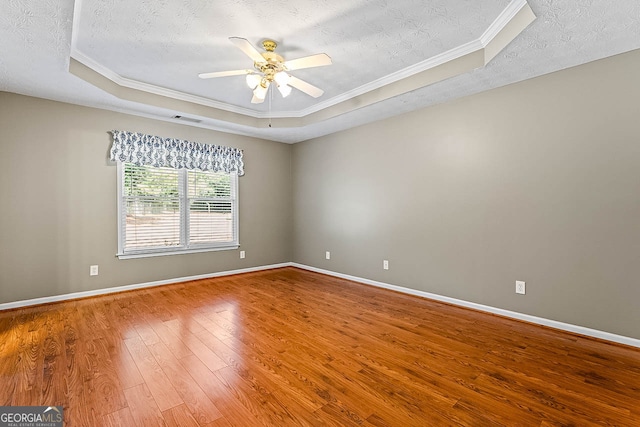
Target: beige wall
x=538, y=181
x=58, y=195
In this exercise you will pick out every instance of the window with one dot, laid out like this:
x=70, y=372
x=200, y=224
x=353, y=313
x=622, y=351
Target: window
x=169, y=211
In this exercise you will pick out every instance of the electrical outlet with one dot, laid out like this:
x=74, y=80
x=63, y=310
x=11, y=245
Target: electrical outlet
x=520, y=287
x=242, y=254
x=327, y=255
x=93, y=270
x=385, y=264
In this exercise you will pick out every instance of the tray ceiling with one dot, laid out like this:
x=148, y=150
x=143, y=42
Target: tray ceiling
x=388, y=57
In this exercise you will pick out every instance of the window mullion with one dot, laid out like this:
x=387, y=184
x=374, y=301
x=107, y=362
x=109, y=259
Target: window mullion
x=183, y=191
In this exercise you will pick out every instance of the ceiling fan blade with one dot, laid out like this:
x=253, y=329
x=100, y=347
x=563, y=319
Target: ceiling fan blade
x=256, y=100
x=223, y=74
x=247, y=48
x=305, y=87
x=319, y=60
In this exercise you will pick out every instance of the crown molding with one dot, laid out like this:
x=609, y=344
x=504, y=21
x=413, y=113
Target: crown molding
x=502, y=21
x=425, y=65
x=505, y=17
x=490, y=33
x=157, y=90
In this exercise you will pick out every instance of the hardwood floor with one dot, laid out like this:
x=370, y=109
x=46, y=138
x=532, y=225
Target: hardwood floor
x=290, y=347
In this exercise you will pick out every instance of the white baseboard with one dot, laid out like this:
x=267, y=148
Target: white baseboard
x=512, y=314
x=105, y=291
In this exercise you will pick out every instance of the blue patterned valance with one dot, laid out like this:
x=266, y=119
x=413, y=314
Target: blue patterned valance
x=149, y=150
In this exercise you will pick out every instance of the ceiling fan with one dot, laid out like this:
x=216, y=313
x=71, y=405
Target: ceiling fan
x=270, y=68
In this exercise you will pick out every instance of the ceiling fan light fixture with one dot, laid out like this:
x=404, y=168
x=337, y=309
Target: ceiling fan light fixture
x=260, y=91
x=282, y=78
x=253, y=80
x=284, y=89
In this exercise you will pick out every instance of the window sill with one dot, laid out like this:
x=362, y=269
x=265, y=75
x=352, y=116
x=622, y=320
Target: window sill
x=132, y=255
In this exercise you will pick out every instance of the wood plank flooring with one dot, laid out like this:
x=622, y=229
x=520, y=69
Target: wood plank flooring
x=288, y=347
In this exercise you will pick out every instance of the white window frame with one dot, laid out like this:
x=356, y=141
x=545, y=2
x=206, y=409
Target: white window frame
x=185, y=248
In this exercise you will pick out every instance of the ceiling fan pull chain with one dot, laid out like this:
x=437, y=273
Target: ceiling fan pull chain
x=270, y=98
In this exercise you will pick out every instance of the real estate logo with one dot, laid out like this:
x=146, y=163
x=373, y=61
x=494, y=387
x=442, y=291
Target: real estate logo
x=31, y=416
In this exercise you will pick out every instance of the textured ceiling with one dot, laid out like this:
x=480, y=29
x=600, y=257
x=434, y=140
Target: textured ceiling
x=168, y=44
x=165, y=44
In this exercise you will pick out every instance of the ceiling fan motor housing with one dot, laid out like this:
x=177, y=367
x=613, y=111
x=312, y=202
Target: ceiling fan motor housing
x=273, y=65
